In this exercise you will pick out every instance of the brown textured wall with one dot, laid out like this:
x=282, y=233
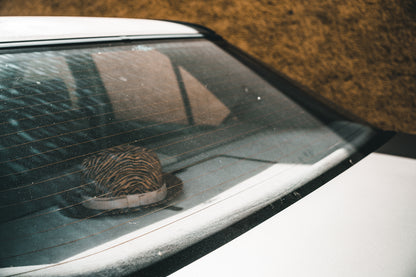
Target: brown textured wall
x=358, y=54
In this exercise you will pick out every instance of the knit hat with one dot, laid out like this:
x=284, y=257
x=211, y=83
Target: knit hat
x=122, y=179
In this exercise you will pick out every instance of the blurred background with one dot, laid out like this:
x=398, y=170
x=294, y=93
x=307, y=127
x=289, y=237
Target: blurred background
x=359, y=56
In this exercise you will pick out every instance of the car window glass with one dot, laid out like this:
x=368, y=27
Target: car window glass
x=212, y=122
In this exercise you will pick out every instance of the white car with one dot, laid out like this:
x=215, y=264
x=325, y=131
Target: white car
x=139, y=146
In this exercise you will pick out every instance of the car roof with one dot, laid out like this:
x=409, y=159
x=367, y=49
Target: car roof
x=18, y=30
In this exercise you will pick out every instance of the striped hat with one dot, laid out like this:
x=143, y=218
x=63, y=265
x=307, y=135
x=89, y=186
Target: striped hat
x=122, y=179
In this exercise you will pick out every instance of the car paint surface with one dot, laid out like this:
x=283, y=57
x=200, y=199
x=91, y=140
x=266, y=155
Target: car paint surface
x=20, y=29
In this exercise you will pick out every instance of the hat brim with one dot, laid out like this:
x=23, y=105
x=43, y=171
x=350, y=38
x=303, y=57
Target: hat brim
x=71, y=204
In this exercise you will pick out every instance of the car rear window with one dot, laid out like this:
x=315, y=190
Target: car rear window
x=214, y=124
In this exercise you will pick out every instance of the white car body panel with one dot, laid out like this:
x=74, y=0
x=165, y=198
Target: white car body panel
x=18, y=29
